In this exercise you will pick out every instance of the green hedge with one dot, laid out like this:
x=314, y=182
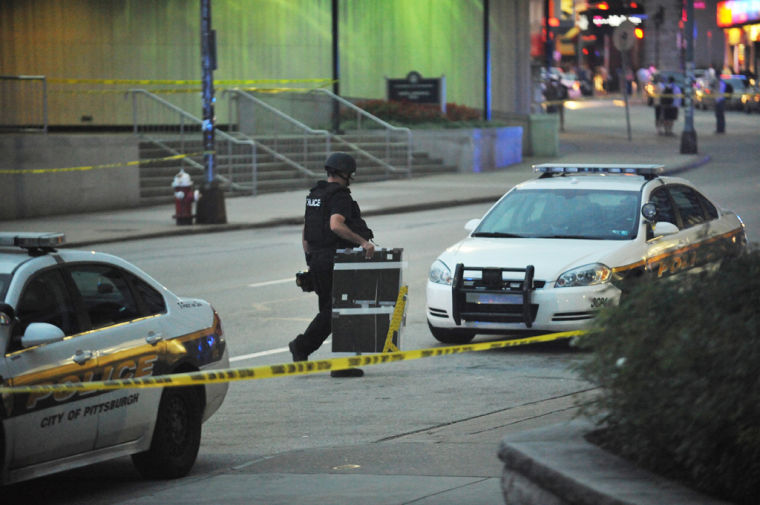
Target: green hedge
x=678, y=363
x=408, y=113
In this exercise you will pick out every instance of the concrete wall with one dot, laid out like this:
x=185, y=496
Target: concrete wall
x=79, y=189
x=476, y=150
x=80, y=184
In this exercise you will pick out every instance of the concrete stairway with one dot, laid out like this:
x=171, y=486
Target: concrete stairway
x=235, y=163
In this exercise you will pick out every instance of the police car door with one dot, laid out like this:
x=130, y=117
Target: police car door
x=47, y=426
x=697, y=225
x=125, y=320
x=706, y=237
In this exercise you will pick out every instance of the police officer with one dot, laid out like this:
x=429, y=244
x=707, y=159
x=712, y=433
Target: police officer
x=332, y=221
x=720, y=106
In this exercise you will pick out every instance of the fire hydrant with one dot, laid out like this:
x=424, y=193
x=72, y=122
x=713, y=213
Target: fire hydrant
x=184, y=196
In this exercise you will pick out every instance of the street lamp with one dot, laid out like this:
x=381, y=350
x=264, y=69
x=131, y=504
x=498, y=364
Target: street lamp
x=210, y=208
x=689, y=135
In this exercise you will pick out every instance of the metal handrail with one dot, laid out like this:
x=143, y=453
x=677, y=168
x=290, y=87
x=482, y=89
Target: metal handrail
x=184, y=115
x=310, y=131
x=277, y=112
x=301, y=168
x=387, y=126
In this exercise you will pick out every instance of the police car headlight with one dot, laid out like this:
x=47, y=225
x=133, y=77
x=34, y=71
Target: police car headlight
x=587, y=275
x=440, y=273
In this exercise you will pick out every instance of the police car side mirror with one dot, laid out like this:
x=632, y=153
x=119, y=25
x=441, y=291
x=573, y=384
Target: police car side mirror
x=471, y=224
x=41, y=333
x=649, y=211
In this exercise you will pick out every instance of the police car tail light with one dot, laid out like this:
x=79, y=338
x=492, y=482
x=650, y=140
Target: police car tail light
x=440, y=273
x=587, y=275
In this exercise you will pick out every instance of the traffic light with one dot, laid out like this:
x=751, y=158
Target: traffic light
x=638, y=32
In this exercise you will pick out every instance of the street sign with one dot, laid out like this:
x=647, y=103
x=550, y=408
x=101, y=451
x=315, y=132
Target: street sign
x=623, y=36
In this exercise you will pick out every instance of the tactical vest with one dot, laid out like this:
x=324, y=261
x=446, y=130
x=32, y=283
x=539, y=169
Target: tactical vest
x=317, y=218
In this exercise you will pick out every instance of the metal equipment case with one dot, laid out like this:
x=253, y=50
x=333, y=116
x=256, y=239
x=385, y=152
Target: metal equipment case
x=364, y=296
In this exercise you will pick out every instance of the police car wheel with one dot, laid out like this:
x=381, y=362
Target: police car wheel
x=447, y=336
x=176, y=438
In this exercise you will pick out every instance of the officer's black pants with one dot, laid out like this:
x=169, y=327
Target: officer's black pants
x=321, y=326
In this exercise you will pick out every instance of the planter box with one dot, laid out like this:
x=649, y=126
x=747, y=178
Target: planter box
x=544, y=134
x=555, y=465
x=473, y=150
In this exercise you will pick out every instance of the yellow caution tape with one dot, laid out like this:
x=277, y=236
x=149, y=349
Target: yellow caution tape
x=283, y=370
x=227, y=82
x=170, y=91
x=93, y=167
x=395, y=326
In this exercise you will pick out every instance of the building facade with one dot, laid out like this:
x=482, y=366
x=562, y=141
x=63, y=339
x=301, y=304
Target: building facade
x=479, y=46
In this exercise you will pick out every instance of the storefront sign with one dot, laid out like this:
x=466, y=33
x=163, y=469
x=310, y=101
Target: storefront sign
x=738, y=12
x=586, y=21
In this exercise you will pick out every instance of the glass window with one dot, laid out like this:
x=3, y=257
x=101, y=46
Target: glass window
x=105, y=293
x=710, y=211
x=688, y=205
x=5, y=279
x=665, y=210
x=154, y=302
x=45, y=300
x=563, y=213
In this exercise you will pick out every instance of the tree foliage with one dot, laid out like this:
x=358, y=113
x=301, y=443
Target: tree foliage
x=678, y=363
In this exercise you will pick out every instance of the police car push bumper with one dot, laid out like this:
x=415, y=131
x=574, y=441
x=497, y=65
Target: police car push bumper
x=568, y=311
x=469, y=299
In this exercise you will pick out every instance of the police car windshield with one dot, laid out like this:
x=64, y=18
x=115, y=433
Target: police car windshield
x=564, y=214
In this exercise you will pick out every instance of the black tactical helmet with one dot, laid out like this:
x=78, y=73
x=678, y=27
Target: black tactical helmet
x=341, y=164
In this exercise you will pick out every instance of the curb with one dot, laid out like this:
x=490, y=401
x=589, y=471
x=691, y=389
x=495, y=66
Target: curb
x=401, y=209
x=557, y=466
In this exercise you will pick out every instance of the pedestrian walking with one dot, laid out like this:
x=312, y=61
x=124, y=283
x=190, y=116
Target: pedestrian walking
x=659, y=123
x=332, y=221
x=720, y=107
x=642, y=78
x=671, y=101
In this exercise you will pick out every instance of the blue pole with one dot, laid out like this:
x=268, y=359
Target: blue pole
x=208, y=61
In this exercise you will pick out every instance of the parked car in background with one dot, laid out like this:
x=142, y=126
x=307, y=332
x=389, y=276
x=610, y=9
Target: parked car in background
x=705, y=96
x=751, y=99
x=570, y=81
x=572, y=85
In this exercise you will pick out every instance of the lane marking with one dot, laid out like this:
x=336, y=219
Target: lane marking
x=272, y=283
x=259, y=354
x=266, y=353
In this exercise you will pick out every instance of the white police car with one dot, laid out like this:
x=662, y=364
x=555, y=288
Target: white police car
x=551, y=251
x=74, y=316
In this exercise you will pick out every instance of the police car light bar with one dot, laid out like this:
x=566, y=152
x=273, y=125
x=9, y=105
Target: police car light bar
x=32, y=240
x=549, y=169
